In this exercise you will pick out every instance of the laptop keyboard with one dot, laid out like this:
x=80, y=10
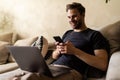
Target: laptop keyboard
x=57, y=70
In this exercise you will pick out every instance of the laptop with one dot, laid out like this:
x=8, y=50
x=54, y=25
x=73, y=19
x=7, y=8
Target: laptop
x=30, y=59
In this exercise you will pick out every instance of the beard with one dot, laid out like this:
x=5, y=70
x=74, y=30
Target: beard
x=76, y=24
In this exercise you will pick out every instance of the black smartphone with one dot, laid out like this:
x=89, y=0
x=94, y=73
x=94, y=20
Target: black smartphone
x=58, y=39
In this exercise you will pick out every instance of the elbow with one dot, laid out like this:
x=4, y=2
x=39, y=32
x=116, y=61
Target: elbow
x=54, y=57
x=104, y=67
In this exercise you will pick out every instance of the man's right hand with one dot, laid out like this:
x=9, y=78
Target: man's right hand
x=59, y=49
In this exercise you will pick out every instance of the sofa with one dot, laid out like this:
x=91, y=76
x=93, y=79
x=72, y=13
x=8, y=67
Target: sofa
x=7, y=62
x=111, y=32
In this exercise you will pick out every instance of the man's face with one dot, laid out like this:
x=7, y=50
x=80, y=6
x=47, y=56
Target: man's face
x=75, y=18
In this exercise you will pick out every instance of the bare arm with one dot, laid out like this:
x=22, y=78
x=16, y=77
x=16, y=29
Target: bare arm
x=98, y=60
x=55, y=54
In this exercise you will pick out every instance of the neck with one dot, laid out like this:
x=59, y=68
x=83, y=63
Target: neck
x=80, y=29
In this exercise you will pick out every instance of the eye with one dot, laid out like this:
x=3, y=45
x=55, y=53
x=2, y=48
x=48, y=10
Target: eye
x=74, y=16
x=68, y=17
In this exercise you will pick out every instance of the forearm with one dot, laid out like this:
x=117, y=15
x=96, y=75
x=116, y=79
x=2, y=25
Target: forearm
x=55, y=54
x=92, y=60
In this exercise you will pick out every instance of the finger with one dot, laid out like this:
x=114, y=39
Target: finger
x=56, y=43
x=21, y=74
x=16, y=78
x=67, y=42
x=58, y=47
x=61, y=44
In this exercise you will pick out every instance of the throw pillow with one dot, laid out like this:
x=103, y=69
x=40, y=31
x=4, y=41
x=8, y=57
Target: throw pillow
x=6, y=37
x=42, y=45
x=45, y=47
x=3, y=52
x=14, y=38
x=22, y=42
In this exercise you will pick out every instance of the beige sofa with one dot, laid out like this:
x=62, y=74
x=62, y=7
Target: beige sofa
x=111, y=32
x=7, y=63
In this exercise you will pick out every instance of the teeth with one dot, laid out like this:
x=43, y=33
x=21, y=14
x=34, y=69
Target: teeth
x=73, y=23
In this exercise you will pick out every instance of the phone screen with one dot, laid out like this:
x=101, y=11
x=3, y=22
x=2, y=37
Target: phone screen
x=58, y=39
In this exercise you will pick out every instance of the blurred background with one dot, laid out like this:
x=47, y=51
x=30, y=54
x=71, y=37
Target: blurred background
x=48, y=17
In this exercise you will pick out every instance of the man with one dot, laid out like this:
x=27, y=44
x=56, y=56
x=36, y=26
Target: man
x=83, y=48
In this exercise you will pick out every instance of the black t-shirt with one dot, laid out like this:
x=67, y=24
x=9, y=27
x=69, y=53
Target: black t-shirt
x=87, y=41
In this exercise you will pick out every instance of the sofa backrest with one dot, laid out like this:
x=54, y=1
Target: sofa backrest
x=112, y=33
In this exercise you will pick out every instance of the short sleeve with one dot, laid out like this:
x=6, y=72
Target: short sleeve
x=99, y=41
x=66, y=34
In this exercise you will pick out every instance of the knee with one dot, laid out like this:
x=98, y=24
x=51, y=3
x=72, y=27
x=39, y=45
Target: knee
x=30, y=76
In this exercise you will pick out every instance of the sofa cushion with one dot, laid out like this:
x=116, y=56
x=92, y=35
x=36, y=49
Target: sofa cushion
x=42, y=44
x=3, y=52
x=10, y=58
x=113, y=72
x=6, y=37
x=22, y=42
x=112, y=33
x=25, y=42
x=8, y=67
x=45, y=47
x=14, y=37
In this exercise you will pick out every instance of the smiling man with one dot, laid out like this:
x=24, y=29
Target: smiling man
x=84, y=49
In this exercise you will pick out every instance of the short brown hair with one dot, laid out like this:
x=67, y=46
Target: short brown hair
x=77, y=6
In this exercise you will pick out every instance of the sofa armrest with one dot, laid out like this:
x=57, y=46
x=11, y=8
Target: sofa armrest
x=8, y=67
x=113, y=72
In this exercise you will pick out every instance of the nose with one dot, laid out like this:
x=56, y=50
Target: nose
x=71, y=19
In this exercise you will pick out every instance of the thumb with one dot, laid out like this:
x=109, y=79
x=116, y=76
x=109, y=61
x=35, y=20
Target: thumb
x=67, y=42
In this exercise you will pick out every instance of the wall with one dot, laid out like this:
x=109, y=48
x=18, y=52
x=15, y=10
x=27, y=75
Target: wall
x=48, y=17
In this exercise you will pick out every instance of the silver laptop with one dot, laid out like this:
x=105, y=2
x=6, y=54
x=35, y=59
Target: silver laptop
x=29, y=59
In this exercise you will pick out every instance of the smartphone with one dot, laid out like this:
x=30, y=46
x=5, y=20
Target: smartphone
x=58, y=39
